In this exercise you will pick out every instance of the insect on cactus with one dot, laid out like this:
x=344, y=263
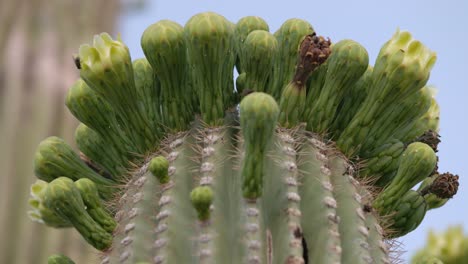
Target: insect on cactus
x=310, y=158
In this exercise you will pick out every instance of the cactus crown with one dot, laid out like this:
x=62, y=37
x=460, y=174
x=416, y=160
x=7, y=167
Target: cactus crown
x=310, y=158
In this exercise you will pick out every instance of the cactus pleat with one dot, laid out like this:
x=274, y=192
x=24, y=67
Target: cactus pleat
x=195, y=171
x=320, y=221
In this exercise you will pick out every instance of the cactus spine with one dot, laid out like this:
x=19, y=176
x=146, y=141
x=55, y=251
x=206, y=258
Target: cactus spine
x=200, y=180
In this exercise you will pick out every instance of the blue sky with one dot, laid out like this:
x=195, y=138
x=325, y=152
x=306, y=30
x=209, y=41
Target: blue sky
x=440, y=25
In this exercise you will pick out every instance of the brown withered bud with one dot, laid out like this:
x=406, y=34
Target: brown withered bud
x=445, y=186
x=430, y=138
x=313, y=51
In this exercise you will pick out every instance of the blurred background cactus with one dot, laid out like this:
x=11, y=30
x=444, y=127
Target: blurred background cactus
x=37, y=40
x=450, y=247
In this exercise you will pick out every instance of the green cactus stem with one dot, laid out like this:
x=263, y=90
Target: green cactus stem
x=94, y=207
x=282, y=219
x=54, y=158
x=353, y=231
x=175, y=213
x=320, y=220
x=133, y=236
x=63, y=197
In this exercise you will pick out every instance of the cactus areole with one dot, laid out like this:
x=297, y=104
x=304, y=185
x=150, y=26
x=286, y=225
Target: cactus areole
x=310, y=156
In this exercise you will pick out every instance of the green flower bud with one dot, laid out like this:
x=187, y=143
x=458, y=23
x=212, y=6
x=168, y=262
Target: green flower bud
x=63, y=197
x=59, y=259
x=242, y=29
x=383, y=161
x=55, y=158
x=346, y=64
x=201, y=198
x=211, y=55
x=164, y=45
x=39, y=212
x=94, y=207
x=107, y=68
x=257, y=55
x=401, y=69
x=258, y=118
x=408, y=215
x=417, y=162
x=159, y=167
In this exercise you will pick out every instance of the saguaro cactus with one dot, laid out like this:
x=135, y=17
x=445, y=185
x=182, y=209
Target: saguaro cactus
x=450, y=247
x=310, y=159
